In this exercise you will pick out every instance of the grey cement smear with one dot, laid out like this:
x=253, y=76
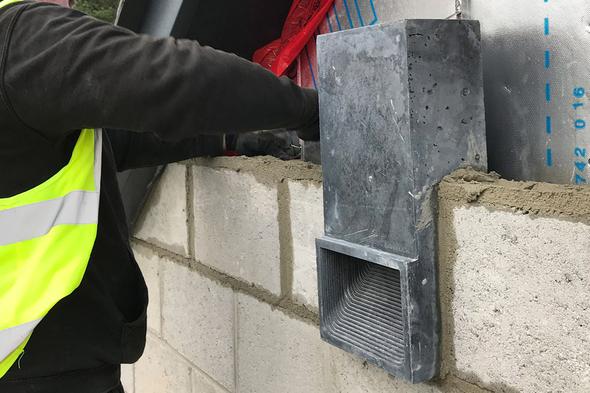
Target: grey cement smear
x=267, y=170
x=467, y=186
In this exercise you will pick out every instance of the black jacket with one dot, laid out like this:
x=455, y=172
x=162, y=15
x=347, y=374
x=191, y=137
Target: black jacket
x=61, y=71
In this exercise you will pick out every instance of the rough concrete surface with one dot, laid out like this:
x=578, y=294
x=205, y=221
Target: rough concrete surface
x=128, y=378
x=236, y=227
x=285, y=304
x=280, y=354
x=564, y=201
x=164, y=223
x=514, y=283
x=149, y=263
x=521, y=304
x=202, y=383
x=198, y=321
x=268, y=170
x=307, y=223
x=161, y=370
x=276, y=353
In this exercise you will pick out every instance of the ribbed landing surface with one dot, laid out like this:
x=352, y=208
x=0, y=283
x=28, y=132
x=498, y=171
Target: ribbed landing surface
x=368, y=313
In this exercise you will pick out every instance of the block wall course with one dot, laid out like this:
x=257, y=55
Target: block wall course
x=235, y=318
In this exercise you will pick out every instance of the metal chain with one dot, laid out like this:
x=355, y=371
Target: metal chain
x=458, y=9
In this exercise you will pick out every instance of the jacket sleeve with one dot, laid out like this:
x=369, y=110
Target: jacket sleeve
x=138, y=150
x=68, y=71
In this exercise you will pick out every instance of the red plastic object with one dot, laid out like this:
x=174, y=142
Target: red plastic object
x=303, y=19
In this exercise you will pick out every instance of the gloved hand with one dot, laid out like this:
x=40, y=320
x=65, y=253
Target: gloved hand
x=278, y=143
x=310, y=130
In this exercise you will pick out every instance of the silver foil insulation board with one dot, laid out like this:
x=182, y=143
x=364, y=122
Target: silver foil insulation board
x=537, y=83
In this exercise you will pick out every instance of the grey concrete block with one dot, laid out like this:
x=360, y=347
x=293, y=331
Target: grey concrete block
x=198, y=321
x=277, y=353
x=517, y=294
x=164, y=218
x=202, y=383
x=307, y=223
x=280, y=354
x=161, y=370
x=149, y=263
x=128, y=377
x=236, y=226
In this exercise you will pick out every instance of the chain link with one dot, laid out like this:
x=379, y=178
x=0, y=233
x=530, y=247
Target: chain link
x=458, y=14
x=458, y=9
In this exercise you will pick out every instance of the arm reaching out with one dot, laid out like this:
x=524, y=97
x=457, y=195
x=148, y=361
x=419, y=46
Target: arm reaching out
x=88, y=74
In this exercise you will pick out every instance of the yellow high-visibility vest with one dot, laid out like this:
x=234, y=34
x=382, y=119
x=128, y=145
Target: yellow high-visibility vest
x=46, y=237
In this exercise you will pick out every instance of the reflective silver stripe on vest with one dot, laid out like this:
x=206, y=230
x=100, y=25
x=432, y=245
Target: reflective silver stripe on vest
x=35, y=220
x=12, y=337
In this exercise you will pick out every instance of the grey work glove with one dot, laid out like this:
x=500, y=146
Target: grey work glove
x=310, y=130
x=279, y=143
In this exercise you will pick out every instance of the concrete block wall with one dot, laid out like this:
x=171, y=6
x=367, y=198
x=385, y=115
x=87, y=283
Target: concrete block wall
x=227, y=248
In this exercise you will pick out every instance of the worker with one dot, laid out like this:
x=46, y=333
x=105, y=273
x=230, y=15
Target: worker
x=72, y=298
